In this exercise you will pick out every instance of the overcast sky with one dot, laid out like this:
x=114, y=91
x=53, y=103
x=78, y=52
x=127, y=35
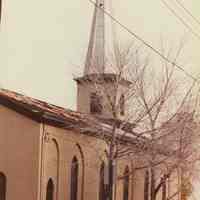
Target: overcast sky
x=43, y=43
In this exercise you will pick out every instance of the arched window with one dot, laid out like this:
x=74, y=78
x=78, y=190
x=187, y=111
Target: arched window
x=2, y=186
x=146, y=185
x=95, y=103
x=74, y=179
x=82, y=170
x=102, y=192
x=164, y=190
x=126, y=184
x=122, y=105
x=50, y=190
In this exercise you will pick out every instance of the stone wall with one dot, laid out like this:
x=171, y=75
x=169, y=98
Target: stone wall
x=19, y=153
x=90, y=152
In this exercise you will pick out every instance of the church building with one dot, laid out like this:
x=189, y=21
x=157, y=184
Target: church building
x=51, y=153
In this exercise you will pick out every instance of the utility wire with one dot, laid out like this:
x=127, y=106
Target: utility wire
x=188, y=12
x=146, y=43
x=180, y=19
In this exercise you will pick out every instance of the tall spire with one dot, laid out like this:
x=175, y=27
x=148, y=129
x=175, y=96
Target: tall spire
x=89, y=99
x=95, y=59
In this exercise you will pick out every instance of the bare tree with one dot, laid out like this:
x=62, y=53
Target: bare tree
x=159, y=124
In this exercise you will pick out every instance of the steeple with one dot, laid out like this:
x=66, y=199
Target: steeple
x=95, y=59
x=96, y=84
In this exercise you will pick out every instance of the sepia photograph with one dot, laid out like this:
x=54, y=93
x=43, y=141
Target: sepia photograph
x=100, y=100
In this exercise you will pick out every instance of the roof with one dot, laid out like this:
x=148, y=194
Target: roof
x=44, y=112
x=39, y=110
x=47, y=113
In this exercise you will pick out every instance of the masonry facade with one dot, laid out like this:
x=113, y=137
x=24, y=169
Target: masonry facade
x=42, y=157
x=36, y=153
x=51, y=153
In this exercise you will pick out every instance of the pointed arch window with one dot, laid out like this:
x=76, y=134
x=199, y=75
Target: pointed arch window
x=50, y=190
x=164, y=190
x=2, y=186
x=95, y=103
x=122, y=105
x=102, y=192
x=74, y=179
x=146, y=185
x=126, y=184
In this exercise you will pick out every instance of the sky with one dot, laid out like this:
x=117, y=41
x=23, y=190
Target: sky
x=43, y=43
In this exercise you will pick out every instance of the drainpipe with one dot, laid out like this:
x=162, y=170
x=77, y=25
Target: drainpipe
x=41, y=159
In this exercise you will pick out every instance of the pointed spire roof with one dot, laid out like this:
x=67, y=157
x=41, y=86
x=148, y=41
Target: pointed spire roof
x=95, y=59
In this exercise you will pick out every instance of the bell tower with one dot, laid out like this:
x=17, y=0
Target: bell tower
x=96, y=89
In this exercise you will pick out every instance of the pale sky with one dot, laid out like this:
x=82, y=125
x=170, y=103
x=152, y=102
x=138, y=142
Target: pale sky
x=43, y=42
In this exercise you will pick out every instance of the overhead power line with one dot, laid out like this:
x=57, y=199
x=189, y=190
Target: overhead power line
x=144, y=42
x=188, y=12
x=180, y=19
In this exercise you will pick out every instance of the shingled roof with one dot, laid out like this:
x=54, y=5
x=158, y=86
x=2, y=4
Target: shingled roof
x=50, y=114
x=47, y=113
x=42, y=111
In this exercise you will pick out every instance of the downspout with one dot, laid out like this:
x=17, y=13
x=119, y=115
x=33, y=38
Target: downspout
x=41, y=158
